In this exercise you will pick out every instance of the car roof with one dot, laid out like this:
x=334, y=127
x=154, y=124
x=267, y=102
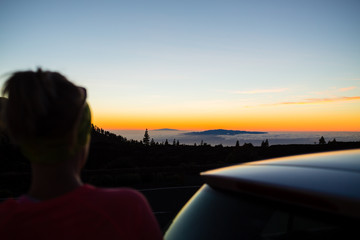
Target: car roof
x=348, y=160
x=328, y=181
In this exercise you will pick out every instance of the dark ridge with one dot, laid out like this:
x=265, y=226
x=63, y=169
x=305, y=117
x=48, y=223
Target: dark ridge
x=223, y=132
x=165, y=129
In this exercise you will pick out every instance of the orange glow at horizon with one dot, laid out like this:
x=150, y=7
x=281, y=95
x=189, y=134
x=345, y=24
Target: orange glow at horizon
x=311, y=121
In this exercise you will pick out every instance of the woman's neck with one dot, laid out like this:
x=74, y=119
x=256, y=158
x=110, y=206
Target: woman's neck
x=50, y=181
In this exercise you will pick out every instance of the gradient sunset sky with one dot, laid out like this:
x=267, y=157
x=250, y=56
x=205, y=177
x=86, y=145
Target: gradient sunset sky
x=249, y=65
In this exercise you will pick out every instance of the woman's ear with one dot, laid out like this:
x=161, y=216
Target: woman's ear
x=83, y=155
x=84, y=128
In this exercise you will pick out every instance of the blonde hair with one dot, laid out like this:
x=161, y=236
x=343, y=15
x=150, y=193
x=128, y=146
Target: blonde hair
x=43, y=113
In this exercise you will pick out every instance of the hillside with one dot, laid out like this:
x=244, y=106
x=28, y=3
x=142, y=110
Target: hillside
x=115, y=161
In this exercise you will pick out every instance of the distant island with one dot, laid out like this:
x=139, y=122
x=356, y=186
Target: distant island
x=222, y=132
x=165, y=129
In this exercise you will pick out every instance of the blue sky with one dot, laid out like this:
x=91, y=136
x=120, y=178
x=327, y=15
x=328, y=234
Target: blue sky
x=193, y=58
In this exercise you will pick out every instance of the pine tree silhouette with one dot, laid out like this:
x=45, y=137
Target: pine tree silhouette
x=265, y=143
x=146, y=139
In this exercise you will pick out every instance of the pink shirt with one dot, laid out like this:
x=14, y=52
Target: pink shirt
x=85, y=213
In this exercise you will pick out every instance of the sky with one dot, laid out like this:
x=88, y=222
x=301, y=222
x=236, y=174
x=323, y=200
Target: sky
x=279, y=65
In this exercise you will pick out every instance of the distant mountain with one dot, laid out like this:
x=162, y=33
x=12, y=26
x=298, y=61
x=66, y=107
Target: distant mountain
x=222, y=132
x=165, y=129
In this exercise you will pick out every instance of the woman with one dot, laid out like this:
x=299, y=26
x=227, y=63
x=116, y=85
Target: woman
x=49, y=118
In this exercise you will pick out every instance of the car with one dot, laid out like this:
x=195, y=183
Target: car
x=312, y=196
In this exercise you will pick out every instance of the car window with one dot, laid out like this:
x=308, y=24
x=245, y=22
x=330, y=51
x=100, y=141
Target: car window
x=213, y=214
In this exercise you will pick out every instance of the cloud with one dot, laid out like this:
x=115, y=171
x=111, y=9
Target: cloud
x=334, y=90
x=257, y=91
x=346, y=89
x=320, y=100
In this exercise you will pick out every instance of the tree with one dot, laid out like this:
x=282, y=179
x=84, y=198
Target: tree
x=152, y=142
x=146, y=139
x=322, y=140
x=237, y=143
x=248, y=145
x=265, y=143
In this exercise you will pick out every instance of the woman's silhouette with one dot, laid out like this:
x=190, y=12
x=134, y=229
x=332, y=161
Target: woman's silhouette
x=50, y=119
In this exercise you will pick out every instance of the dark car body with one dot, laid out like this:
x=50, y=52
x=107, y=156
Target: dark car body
x=313, y=196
